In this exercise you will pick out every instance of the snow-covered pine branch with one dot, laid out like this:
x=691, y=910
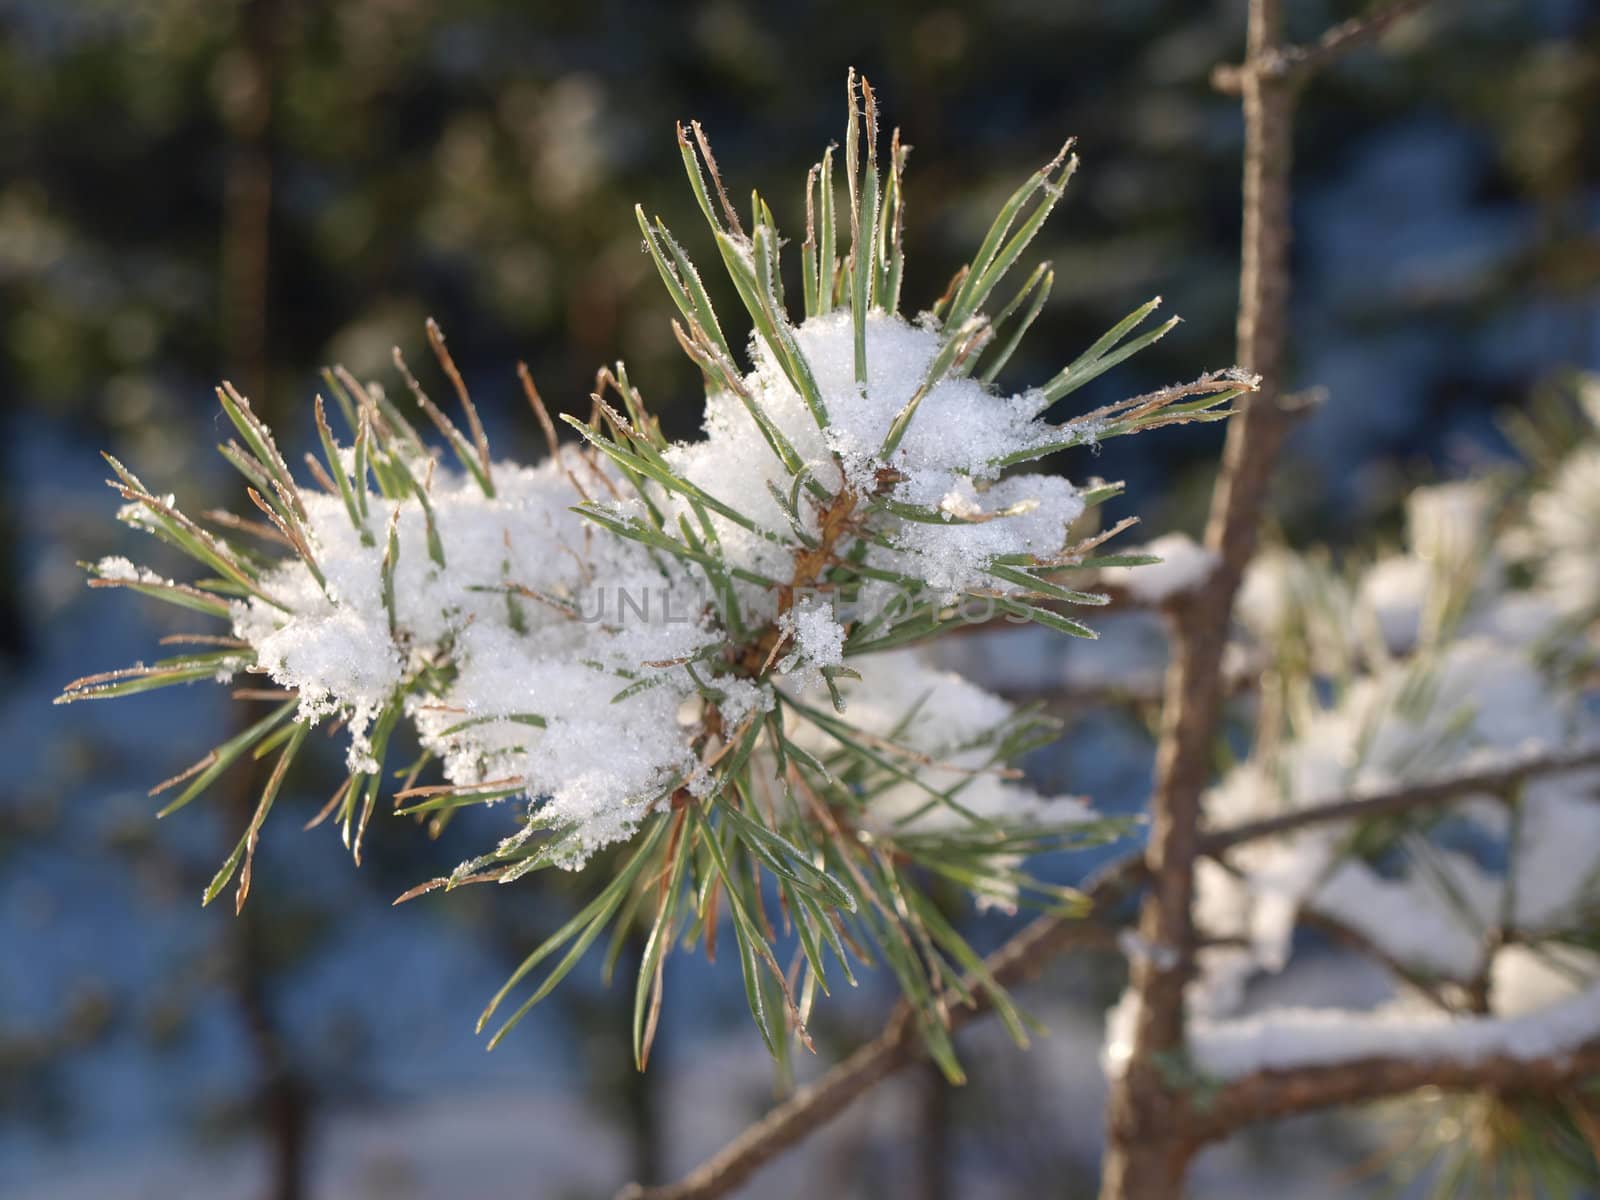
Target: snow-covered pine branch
x=652, y=643
x=1399, y=795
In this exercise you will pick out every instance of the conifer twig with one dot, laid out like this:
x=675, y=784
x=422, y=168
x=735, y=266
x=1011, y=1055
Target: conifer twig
x=1047, y=937
x=1299, y=63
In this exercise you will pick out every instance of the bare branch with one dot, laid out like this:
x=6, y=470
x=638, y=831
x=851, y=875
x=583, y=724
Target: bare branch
x=1296, y=64
x=1351, y=937
x=1494, y=781
x=1267, y=1095
x=1348, y=35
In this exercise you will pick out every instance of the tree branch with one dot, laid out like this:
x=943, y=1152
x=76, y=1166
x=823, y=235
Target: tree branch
x=1025, y=955
x=1297, y=64
x=899, y=1045
x=1146, y=1158
x=1268, y=1095
x=1353, y=939
x=1404, y=798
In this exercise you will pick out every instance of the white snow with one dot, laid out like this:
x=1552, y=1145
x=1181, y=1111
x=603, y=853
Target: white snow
x=817, y=640
x=1438, y=661
x=946, y=456
x=1185, y=565
x=538, y=619
x=949, y=715
x=1410, y=919
x=603, y=608
x=1563, y=531
x=118, y=568
x=1301, y=1037
x=1290, y=598
x=1556, y=860
x=1395, y=591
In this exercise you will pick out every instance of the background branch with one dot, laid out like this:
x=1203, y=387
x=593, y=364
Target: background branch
x=1269, y=1095
x=1493, y=781
x=1352, y=938
x=1025, y=955
x=1296, y=64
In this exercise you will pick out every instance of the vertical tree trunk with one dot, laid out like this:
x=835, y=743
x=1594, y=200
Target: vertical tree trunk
x=1148, y=1148
x=282, y=1099
x=282, y=1103
x=246, y=87
x=1262, y=329
x=933, y=1133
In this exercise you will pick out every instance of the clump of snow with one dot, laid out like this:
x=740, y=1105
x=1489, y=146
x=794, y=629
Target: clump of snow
x=557, y=654
x=1286, y=1038
x=1185, y=565
x=1448, y=524
x=1563, y=531
x=947, y=721
x=1287, y=598
x=1526, y=979
x=532, y=615
x=1121, y=1022
x=946, y=465
x=122, y=570
x=1544, y=1004
x=1222, y=907
x=818, y=640
x=1437, y=923
x=1395, y=591
x=1556, y=859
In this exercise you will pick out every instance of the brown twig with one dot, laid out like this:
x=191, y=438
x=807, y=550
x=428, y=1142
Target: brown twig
x=1268, y=1095
x=1295, y=64
x=1352, y=938
x=447, y=364
x=1403, y=798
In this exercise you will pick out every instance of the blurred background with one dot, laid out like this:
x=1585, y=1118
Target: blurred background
x=199, y=189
